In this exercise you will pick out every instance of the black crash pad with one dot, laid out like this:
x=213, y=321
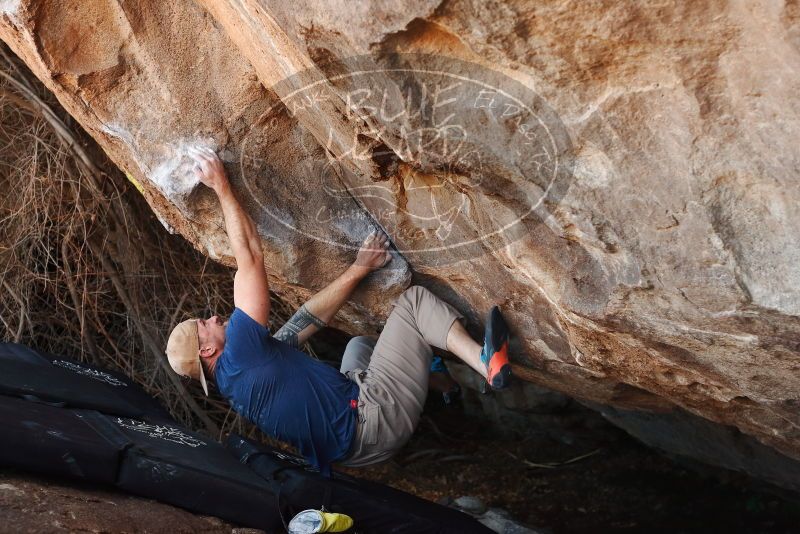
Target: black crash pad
x=161, y=461
x=50, y=410
x=27, y=373
x=17, y=352
x=54, y=441
x=375, y=508
x=174, y=465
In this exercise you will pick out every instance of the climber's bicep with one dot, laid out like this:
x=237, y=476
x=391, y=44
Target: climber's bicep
x=251, y=291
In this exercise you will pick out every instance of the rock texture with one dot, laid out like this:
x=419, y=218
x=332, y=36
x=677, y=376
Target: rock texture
x=660, y=272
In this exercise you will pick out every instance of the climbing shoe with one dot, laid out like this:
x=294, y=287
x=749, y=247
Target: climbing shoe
x=495, y=351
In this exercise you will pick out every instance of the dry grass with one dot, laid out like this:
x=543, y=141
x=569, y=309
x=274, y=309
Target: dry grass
x=86, y=269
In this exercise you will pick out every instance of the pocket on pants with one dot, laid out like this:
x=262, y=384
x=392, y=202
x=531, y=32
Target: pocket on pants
x=372, y=422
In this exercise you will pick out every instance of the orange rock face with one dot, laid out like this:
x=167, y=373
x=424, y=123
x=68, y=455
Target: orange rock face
x=620, y=177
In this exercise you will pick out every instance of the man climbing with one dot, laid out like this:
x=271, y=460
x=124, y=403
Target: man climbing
x=359, y=415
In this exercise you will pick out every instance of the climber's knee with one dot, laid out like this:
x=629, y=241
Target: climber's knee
x=357, y=354
x=360, y=341
x=411, y=297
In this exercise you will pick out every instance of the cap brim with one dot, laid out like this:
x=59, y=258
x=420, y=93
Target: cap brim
x=203, y=378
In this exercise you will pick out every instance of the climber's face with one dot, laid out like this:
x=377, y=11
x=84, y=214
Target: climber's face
x=211, y=335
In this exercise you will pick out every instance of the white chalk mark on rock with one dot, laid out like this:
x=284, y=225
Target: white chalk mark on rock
x=174, y=175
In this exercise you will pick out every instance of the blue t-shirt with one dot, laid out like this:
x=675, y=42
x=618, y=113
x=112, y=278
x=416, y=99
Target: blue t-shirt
x=288, y=394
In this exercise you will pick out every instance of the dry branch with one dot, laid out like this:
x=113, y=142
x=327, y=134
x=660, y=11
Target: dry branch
x=85, y=269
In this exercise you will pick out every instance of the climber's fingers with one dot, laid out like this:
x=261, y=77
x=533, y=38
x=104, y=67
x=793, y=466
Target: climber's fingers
x=201, y=166
x=207, y=166
x=203, y=154
x=376, y=240
x=369, y=240
x=196, y=153
x=374, y=252
x=200, y=160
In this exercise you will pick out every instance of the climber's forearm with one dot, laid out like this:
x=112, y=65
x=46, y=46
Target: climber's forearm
x=250, y=286
x=240, y=228
x=373, y=254
x=327, y=302
x=322, y=307
x=315, y=314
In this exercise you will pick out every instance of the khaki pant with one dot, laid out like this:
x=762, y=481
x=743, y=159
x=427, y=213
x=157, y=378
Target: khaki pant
x=392, y=374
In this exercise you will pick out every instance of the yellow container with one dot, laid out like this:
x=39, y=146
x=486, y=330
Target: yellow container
x=313, y=521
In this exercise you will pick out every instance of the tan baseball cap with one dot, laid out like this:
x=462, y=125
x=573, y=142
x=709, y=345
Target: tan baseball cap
x=183, y=352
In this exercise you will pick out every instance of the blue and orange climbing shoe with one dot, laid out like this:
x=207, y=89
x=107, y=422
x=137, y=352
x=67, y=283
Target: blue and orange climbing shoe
x=495, y=351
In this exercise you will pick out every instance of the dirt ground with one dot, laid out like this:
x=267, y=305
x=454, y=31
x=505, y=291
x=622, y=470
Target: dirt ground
x=36, y=505
x=619, y=486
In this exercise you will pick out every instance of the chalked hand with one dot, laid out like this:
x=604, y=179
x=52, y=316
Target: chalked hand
x=208, y=168
x=374, y=252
